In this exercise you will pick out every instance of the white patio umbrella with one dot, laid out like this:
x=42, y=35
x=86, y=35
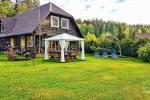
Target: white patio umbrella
x=63, y=39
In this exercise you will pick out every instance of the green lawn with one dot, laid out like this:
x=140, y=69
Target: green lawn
x=93, y=79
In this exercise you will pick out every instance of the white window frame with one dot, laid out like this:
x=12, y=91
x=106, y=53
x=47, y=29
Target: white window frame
x=65, y=19
x=52, y=21
x=1, y=27
x=29, y=41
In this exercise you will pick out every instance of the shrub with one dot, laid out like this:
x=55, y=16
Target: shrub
x=90, y=38
x=144, y=52
x=130, y=46
x=98, y=45
x=93, y=48
x=108, y=44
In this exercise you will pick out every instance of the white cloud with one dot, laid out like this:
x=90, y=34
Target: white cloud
x=129, y=11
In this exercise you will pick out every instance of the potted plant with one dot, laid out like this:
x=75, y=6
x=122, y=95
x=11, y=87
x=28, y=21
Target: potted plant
x=10, y=54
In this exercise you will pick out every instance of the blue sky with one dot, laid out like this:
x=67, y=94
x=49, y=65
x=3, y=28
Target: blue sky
x=129, y=11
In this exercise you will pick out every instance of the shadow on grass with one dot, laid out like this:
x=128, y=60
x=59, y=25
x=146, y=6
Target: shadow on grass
x=16, y=60
x=57, y=61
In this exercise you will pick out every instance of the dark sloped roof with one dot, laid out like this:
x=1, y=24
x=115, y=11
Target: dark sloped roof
x=142, y=35
x=26, y=22
x=9, y=24
x=55, y=9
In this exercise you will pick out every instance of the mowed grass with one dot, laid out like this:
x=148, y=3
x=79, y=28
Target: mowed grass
x=93, y=79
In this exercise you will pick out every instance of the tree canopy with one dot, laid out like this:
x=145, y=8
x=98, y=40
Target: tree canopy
x=9, y=8
x=104, y=28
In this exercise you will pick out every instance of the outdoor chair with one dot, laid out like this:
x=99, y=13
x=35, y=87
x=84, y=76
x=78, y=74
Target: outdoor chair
x=71, y=56
x=114, y=54
x=97, y=54
x=104, y=53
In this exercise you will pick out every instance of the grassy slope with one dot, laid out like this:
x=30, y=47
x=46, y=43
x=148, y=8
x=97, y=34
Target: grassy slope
x=102, y=79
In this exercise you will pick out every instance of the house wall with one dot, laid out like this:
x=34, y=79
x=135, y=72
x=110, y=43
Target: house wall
x=20, y=41
x=51, y=31
x=46, y=31
x=3, y=43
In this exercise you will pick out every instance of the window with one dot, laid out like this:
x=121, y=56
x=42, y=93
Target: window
x=29, y=41
x=64, y=23
x=12, y=42
x=54, y=21
x=1, y=27
x=22, y=38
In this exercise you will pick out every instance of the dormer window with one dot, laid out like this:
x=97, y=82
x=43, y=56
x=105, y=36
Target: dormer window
x=64, y=23
x=55, y=21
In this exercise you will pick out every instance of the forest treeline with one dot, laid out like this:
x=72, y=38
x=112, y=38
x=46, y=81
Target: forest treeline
x=9, y=8
x=119, y=30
